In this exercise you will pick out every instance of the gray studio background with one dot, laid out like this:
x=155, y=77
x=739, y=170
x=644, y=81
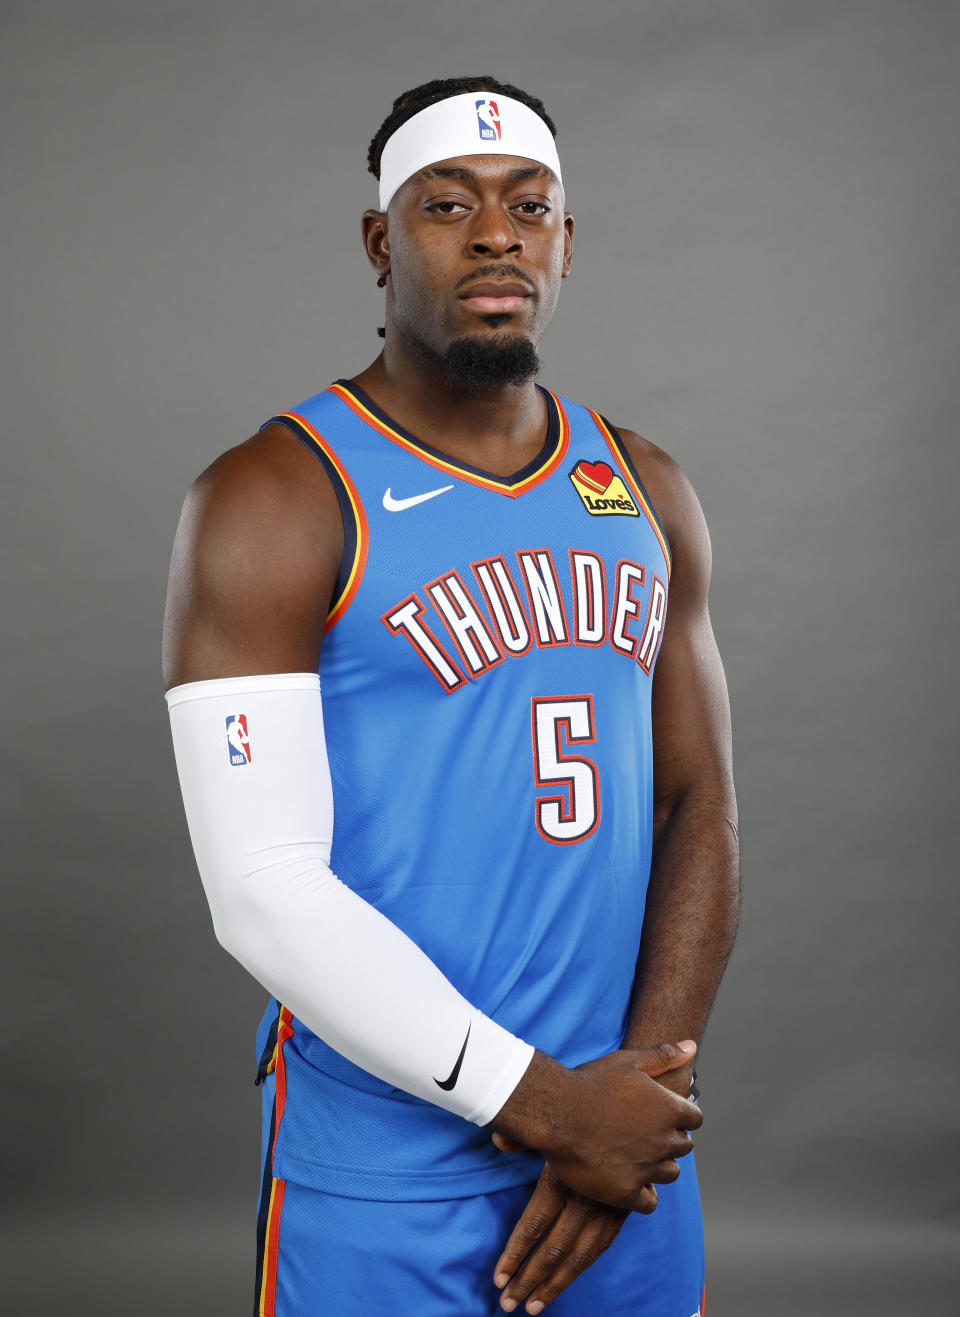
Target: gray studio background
x=767, y=205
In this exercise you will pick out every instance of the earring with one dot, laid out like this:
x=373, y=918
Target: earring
x=382, y=281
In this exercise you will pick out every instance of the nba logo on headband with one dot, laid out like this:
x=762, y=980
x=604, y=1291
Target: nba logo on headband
x=488, y=118
x=447, y=129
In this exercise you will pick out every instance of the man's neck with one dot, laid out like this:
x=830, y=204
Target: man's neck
x=498, y=429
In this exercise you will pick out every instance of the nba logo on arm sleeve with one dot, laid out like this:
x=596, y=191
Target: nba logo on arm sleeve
x=488, y=119
x=238, y=740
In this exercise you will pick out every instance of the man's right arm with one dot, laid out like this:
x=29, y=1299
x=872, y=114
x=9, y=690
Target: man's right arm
x=254, y=564
x=253, y=572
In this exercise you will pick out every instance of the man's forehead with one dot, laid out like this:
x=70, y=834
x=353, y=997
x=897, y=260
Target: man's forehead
x=506, y=169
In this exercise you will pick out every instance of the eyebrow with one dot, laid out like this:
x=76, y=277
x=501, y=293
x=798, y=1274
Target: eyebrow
x=470, y=176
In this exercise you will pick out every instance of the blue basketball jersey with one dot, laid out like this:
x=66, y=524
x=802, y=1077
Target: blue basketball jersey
x=486, y=677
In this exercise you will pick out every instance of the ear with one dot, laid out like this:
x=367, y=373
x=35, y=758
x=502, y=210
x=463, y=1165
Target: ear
x=376, y=239
x=567, y=244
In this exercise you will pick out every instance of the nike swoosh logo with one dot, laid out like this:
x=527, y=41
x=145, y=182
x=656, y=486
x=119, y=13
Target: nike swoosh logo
x=399, y=504
x=455, y=1072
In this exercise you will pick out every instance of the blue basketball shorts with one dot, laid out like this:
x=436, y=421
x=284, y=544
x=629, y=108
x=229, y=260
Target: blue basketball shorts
x=320, y=1255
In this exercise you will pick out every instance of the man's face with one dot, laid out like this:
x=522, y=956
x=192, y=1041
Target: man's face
x=477, y=246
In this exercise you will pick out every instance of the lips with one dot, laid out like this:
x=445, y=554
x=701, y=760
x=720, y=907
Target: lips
x=497, y=288
x=496, y=295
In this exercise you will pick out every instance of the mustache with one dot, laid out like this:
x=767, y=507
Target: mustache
x=498, y=271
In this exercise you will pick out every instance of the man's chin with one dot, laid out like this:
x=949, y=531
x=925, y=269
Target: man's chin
x=488, y=361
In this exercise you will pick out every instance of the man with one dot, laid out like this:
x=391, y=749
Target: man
x=477, y=1056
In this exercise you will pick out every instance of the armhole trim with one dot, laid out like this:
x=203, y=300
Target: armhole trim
x=356, y=535
x=619, y=450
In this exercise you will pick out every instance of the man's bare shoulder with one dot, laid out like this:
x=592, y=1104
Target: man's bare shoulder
x=254, y=563
x=265, y=499
x=271, y=470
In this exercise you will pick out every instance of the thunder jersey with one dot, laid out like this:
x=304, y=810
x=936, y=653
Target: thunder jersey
x=486, y=676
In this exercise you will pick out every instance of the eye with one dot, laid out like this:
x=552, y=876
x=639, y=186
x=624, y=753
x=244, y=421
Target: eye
x=446, y=207
x=534, y=207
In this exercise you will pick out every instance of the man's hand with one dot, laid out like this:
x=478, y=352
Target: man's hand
x=607, y=1127
x=678, y=1081
x=567, y=1232
x=634, y=1131
x=563, y=1231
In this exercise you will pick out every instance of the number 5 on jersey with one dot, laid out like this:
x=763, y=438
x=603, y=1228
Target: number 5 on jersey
x=572, y=810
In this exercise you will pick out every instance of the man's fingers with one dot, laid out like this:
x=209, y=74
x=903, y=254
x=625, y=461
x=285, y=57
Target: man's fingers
x=548, y=1254
x=666, y=1172
x=506, y=1144
x=545, y=1202
x=660, y=1058
x=567, y=1251
x=693, y=1116
x=682, y=1144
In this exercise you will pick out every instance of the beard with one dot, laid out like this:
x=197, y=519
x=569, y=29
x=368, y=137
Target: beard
x=480, y=362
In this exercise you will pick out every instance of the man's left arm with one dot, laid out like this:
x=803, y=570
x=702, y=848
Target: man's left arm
x=693, y=896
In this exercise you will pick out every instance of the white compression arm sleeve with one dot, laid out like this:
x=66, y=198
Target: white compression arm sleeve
x=256, y=788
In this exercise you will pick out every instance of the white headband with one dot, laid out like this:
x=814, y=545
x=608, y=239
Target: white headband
x=476, y=123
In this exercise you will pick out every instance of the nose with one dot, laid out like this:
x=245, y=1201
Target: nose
x=492, y=233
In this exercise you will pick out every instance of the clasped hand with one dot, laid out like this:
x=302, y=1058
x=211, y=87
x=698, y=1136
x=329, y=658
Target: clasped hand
x=562, y=1232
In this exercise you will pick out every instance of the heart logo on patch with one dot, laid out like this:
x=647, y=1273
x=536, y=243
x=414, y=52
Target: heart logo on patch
x=595, y=475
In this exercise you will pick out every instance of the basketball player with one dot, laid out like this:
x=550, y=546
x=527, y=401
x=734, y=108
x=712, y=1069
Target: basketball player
x=491, y=965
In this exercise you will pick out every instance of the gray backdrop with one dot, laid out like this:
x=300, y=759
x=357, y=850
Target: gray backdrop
x=766, y=196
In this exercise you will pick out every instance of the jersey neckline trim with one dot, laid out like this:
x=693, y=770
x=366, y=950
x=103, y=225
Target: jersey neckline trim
x=544, y=464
